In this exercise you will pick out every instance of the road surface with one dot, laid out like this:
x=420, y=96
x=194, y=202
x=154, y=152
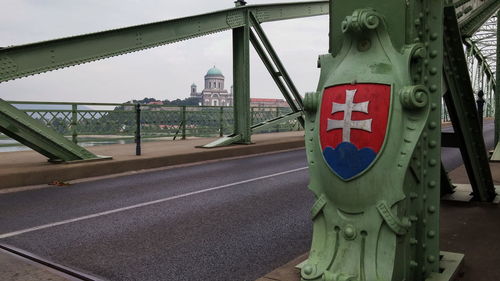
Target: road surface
x=230, y=220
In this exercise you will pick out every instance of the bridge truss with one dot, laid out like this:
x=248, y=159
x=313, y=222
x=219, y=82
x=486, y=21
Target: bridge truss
x=469, y=23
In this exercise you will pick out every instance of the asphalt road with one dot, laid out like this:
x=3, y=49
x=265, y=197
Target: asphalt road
x=230, y=220
x=451, y=157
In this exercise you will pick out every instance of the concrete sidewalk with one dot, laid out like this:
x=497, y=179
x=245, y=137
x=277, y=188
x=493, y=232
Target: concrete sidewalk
x=15, y=268
x=30, y=168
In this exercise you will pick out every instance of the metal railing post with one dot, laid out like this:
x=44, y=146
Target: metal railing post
x=221, y=119
x=497, y=89
x=138, y=129
x=74, y=123
x=277, y=115
x=183, y=122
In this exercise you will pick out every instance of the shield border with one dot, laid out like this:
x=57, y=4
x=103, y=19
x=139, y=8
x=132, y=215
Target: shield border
x=382, y=148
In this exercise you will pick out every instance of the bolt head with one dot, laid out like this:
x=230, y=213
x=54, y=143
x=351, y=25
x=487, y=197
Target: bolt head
x=307, y=269
x=349, y=232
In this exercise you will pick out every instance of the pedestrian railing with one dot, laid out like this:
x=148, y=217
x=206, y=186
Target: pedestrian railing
x=101, y=123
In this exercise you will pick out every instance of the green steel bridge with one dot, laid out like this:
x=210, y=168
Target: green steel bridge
x=436, y=58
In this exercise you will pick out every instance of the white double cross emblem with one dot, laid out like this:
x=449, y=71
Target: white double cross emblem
x=347, y=124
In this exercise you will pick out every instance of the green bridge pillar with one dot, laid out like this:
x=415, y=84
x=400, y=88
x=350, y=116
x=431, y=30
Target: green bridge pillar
x=497, y=89
x=241, y=76
x=373, y=144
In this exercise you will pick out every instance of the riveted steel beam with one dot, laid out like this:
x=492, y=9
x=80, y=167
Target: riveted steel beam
x=472, y=14
x=476, y=52
x=241, y=76
x=19, y=126
x=276, y=68
x=275, y=121
x=29, y=59
x=461, y=106
x=497, y=89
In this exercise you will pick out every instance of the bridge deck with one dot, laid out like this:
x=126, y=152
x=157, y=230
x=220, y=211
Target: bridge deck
x=30, y=168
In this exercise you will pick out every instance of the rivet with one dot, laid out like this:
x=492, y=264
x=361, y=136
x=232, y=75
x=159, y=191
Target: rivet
x=431, y=209
x=432, y=125
x=433, y=88
x=432, y=162
x=413, y=195
x=433, y=71
x=308, y=269
x=432, y=144
x=434, y=36
x=431, y=233
x=349, y=232
x=433, y=54
x=433, y=106
x=432, y=184
x=431, y=259
x=413, y=264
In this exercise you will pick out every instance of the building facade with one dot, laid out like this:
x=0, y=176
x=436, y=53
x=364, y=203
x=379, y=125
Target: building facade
x=213, y=93
x=260, y=102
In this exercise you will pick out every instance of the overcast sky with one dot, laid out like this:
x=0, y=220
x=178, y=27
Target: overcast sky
x=164, y=72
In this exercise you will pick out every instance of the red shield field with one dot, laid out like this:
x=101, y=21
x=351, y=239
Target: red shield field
x=353, y=125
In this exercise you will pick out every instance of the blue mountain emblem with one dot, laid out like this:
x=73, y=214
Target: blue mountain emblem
x=347, y=160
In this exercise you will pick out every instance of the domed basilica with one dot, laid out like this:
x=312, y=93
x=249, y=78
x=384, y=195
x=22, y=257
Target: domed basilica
x=214, y=93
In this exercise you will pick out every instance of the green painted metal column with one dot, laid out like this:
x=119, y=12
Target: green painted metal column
x=497, y=89
x=373, y=139
x=241, y=77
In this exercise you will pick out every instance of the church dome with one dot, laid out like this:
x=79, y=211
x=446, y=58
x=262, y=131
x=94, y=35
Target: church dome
x=214, y=72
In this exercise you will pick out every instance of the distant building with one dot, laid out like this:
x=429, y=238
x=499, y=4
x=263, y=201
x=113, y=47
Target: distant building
x=214, y=93
x=258, y=102
x=155, y=102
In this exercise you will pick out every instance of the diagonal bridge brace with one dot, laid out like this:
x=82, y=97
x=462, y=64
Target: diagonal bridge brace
x=34, y=58
x=19, y=126
x=278, y=72
x=459, y=98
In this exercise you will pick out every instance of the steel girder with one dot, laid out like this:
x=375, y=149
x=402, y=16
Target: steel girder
x=459, y=98
x=472, y=14
x=29, y=59
x=497, y=89
x=19, y=126
x=35, y=58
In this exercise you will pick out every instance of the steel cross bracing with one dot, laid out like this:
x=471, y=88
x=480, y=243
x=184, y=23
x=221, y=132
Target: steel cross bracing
x=468, y=23
x=481, y=61
x=368, y=200
x=29, y=59
x=24, y=60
